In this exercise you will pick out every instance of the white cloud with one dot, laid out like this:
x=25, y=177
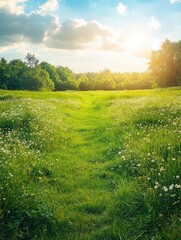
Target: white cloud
x=7, y=48
x=153, y=23
x=49, y=6
x=46, y=29
x=13, y=6
x=121, y=8
x=175, y=1
x=20, y=28
x=77, y=34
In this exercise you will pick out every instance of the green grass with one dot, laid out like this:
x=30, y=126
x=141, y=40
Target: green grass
x=90, y=165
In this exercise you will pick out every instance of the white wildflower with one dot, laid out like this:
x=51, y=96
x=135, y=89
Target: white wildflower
x=165, y=189
x=171, y=187
x=162, y=169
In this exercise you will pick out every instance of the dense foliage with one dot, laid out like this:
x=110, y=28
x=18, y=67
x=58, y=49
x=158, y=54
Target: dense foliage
x=19, y=75
x=165, y=64
x=164, y=70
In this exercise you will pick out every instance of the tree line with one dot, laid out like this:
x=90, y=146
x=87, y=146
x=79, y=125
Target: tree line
x=164, y=71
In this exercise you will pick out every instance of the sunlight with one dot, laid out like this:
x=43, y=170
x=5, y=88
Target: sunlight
x=138, y=43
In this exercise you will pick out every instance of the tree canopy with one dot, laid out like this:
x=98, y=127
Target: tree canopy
x=164, y=71
x=165, y=64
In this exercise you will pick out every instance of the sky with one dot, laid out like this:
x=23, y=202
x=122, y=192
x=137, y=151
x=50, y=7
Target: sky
x=88, y=35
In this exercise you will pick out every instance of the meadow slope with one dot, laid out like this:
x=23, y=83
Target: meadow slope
x=90, y=165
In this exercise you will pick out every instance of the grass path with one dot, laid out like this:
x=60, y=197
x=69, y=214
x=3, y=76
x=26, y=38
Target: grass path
x=91, y=187
x=91, y=190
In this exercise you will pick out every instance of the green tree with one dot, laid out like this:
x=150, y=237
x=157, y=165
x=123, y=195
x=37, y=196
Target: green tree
x=32, y=61
x=83, y=81
x=106, y=80
x=165, y=64
x=52, y=74
x=4, y=74
x=67, y=78
x=17, y=70
x=37, y=79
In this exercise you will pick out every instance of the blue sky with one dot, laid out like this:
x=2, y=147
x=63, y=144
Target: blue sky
x=88, y=35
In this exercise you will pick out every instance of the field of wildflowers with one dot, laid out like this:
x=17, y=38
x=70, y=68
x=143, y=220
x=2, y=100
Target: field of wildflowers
x=90, y=165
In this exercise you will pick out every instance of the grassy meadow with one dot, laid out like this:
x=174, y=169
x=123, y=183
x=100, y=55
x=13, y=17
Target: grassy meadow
x=90, y=165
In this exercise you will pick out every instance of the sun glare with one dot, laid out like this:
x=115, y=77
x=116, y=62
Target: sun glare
x=138, y=43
